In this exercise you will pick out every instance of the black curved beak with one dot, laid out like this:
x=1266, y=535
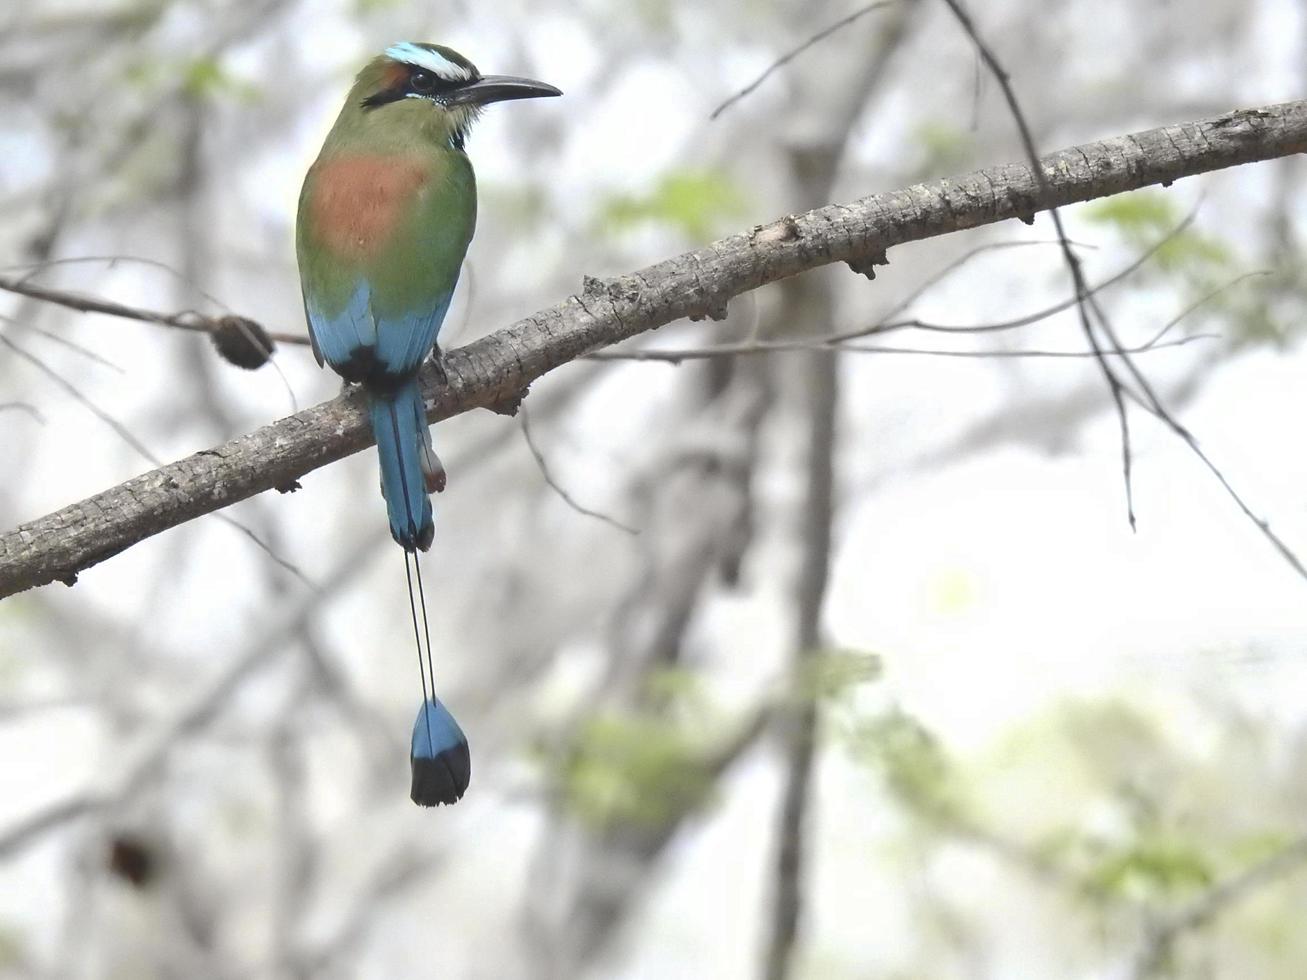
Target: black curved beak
x=499, y=88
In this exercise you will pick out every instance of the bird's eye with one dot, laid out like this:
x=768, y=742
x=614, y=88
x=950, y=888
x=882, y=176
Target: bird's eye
x=422, y=82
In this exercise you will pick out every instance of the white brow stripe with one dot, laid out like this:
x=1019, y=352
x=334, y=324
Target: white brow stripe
x=411, y=54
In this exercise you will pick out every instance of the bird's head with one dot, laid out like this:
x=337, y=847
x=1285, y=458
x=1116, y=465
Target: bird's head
x=433, y=88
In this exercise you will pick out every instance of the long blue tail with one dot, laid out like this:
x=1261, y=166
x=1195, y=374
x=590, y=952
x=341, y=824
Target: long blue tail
x=441, y=761
x=403, y=444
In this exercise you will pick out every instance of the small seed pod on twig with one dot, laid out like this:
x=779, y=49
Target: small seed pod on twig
x=242, y=342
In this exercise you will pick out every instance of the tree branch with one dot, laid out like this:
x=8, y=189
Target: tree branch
x=496, y=371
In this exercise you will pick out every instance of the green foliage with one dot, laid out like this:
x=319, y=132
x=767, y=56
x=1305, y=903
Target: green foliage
x=1253, y=848
x=1136, y=214
x=834, y=675
x=205, y=78
x=1142, y=218
x=202, y=79
x=1267, y=310
x=1277, y=311
x=1152, y=868
x=694, y=202
x=13, y=950
x=647, y=767
x=678, y=689
x=915, y=767
x=1112, y=805
x=1110, y=738
x=635, y=769
x=944, y=147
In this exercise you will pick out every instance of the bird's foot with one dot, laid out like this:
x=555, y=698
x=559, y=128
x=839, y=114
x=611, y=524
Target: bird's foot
x=438, y=363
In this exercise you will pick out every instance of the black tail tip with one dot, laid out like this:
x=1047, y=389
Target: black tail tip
x=443, y=778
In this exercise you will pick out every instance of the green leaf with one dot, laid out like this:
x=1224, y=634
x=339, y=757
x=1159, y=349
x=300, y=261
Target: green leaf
x=915, y=766
x=13, y=950
x=696, y=203
x=829, y=675
x=1142, y=218
x=1160, y=867
x=205, y=78
x=944, y=146
x=636, y=770
x=677, y=686
x=1134, y=214
x=201, y=78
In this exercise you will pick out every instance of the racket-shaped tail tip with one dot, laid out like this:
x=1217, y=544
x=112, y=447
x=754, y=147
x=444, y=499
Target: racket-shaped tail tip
x=440, y=758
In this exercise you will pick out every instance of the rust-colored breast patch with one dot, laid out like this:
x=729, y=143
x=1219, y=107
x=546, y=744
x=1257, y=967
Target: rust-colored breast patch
x=356, y=202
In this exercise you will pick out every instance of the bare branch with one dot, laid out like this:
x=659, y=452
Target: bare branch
x=497, y=369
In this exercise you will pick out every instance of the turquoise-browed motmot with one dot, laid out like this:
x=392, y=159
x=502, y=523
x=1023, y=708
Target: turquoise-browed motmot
x=385, y=218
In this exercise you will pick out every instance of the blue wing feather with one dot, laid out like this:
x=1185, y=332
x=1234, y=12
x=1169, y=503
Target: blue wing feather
x=362, y=346
x=339, y=338
x=403, y=343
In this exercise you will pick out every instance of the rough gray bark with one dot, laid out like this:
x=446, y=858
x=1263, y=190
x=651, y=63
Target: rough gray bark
x=495, y=371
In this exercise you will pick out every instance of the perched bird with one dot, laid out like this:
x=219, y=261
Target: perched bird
x=385, y=218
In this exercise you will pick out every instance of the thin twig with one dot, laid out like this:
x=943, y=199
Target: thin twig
x=888, y=325
x=1202, y=301
x=143, y=761
x=32, y=828
x=185, y=320
x=836, y=341
x=33, y=269
x=79, y=349
x=123, y=433
x=1091, y=312
x=679, y=354
x=1115, y=385
x=939, y=275
x=130, y=438
x=789, y=56
x=30, y=410
x=554, y=485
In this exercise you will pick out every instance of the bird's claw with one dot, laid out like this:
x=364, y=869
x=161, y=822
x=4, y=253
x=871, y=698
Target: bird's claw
x=438, y=365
